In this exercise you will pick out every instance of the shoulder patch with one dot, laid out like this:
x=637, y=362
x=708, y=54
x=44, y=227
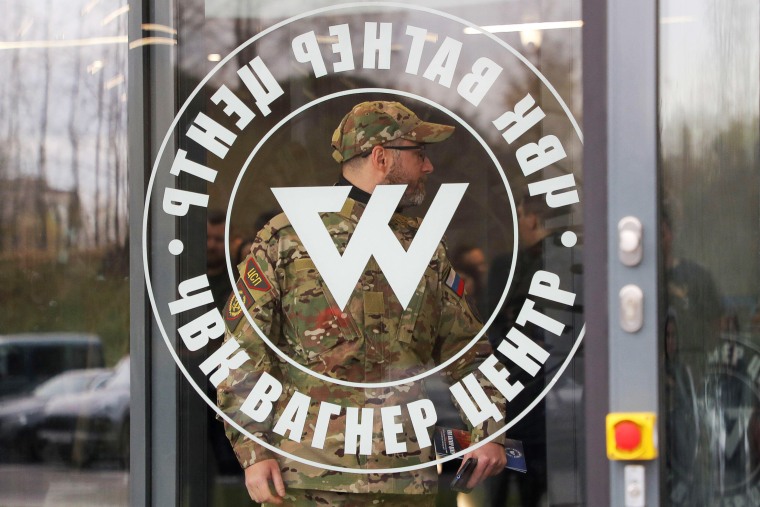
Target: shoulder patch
x=348, y=208
x=233, y=312
x=455, y=283
x=254, y=278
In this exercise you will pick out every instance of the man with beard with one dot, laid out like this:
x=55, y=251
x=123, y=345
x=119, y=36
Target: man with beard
x=374, y=339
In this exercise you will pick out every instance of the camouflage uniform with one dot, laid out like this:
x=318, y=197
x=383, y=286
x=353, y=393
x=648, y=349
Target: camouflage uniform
x=313, y=498
x=374, y=339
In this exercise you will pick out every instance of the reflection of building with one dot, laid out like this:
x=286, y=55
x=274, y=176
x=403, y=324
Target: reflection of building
x=35, y=217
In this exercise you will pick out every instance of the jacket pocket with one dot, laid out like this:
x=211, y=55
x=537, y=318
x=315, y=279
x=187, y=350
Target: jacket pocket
x=319, y=331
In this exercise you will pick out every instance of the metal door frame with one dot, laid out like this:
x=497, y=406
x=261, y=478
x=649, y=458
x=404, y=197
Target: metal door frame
x=620, y=174
x=154, y=392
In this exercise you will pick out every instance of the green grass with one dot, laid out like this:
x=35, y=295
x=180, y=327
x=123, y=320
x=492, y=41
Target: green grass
x=83, y=294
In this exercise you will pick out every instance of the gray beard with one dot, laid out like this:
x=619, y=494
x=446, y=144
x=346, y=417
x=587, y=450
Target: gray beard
x=409, y=200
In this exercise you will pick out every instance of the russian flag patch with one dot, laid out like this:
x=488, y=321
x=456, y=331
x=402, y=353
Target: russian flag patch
x=455, y=283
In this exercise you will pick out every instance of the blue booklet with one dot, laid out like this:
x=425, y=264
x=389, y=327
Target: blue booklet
x=449, y=441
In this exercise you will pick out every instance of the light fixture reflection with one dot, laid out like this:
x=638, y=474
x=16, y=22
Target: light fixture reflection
x=520, y=27
x=115, y=14
x=531, y=38
x=156, y=27
x=327, y=39
x=152, y=41
x=89, y=7
x=70, y=43
x=95, y=67
x=114, y=81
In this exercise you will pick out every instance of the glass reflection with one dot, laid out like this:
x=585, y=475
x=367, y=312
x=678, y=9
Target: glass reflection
x=297, y=155
x=64, y=328
x=710, y=104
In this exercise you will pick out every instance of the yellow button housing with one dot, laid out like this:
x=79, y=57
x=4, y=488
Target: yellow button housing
x=631, y=436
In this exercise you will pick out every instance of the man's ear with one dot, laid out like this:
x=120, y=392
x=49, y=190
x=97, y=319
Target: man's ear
x=381, y=162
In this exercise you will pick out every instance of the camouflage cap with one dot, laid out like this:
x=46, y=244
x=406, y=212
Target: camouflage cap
x=372, y=123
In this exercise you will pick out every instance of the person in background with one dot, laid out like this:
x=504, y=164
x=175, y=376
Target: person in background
x=216, y=266
x=533, y=243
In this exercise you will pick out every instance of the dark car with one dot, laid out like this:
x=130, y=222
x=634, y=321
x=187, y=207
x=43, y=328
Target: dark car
x=20, y=415
x=90, y=426
x=27, y=360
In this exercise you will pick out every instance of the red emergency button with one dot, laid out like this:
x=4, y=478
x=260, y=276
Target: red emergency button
x=631, y=435
x=627, y=435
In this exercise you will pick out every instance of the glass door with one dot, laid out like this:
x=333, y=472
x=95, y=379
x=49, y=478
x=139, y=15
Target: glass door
x=709, y=122
x=257, y=91
x=64, y=254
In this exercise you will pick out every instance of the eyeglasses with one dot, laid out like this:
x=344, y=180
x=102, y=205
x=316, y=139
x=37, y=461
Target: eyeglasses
x=419, y=147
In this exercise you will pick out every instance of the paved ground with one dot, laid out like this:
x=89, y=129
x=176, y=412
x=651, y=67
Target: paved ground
x=59, y=486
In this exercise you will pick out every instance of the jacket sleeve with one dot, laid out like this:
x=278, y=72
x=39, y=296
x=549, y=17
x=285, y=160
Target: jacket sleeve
x=457, y=327
x=258, y=290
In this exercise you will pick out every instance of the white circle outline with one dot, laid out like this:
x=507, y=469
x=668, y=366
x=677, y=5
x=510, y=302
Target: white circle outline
x=146, y=264
x=283, y=355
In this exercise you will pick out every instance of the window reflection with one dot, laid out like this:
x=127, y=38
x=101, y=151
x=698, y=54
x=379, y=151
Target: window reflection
x=298, y=155
x=710, y=105
x=64, y=328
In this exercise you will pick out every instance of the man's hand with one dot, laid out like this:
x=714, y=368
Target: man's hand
x=491, y=460
x=258, y=477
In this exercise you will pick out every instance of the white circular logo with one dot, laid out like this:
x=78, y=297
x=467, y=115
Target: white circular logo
x=465, y=80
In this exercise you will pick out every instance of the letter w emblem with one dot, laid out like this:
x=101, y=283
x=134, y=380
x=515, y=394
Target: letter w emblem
x=372, y=237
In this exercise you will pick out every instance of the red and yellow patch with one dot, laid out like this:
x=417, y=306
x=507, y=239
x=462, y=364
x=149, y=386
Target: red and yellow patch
x=234, y=311
x=254, y=278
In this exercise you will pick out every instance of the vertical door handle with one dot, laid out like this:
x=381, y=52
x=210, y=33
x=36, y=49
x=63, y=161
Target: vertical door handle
x=630, y=250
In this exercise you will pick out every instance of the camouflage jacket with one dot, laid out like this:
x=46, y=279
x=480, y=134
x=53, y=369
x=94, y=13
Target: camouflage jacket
x=372, y=340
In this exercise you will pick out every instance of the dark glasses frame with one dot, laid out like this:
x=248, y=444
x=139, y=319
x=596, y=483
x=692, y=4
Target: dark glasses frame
x=420, y=147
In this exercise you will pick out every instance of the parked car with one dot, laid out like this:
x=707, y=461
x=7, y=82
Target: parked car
x=89, y=426
x=20, y=415
x=27, y=360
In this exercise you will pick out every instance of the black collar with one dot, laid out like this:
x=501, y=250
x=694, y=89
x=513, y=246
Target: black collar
x=356, y=193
